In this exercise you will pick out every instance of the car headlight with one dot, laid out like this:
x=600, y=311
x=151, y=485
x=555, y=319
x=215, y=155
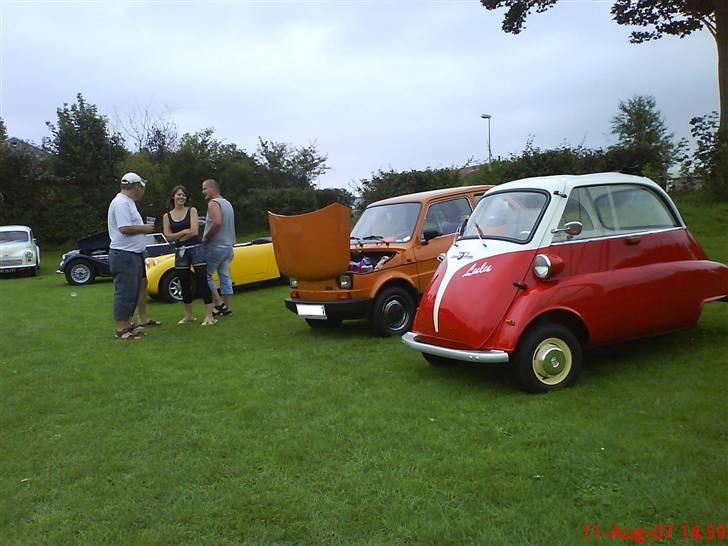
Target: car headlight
x=345, y=282
x=28, y=255
x=546, y=266
x=293, y=283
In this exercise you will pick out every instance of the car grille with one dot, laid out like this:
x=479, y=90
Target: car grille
x=11, y=261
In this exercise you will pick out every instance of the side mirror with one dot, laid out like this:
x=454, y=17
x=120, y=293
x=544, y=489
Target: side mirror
x=572, y=229
x=429, y=234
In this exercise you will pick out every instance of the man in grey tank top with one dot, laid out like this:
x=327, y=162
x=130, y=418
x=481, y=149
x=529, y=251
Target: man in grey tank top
x=218, y=240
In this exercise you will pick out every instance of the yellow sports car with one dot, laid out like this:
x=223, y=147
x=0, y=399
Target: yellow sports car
x=253, y=262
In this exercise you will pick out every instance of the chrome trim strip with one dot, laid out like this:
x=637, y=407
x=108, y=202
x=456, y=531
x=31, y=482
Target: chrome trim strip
x=620, y=236
x=488, y=357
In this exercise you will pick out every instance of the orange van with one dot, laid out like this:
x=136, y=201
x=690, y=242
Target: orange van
x=376, y=271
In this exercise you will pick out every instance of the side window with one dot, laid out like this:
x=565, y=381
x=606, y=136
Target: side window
x=576, y=211
x=627, y=208
x=446, y=216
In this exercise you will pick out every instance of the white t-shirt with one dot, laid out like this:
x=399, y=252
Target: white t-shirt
x=123, y=212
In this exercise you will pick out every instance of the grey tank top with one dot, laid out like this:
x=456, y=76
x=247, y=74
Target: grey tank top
x=226, y=234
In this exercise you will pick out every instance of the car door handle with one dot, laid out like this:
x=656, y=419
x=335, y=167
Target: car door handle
x=634, y=240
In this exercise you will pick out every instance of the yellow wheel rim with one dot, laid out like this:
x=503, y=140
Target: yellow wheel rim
x=551, y=361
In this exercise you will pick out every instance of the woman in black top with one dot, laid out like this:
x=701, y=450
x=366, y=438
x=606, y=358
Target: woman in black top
x=181, y=225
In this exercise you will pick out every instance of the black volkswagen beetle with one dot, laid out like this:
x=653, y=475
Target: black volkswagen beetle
x=91, y=258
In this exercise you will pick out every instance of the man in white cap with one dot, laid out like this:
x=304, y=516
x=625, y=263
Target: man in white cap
x=126, y=256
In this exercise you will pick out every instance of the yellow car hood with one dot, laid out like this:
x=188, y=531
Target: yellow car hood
x=312, y=246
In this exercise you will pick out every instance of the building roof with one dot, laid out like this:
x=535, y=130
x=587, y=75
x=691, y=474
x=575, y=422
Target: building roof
x=23, y=146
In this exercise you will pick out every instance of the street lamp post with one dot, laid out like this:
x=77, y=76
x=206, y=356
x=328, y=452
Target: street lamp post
x=487, y=116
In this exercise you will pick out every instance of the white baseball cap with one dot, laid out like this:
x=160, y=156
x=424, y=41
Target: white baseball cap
x=133, y=178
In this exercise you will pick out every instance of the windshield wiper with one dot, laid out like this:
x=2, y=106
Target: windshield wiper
x=481, y=234
x=376, y=237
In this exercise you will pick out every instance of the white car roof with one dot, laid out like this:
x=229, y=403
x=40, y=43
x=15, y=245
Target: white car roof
x=14, y=228
x=567, y=182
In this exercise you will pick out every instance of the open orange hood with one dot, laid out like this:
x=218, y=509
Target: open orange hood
x=312, y=246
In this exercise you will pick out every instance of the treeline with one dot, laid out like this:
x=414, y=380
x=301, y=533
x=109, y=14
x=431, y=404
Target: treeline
x=642, y=145
x=64, y=192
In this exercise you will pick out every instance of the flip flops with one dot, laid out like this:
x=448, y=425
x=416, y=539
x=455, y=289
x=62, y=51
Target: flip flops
x=209, y=322
x=187, y=321
x=150, y=322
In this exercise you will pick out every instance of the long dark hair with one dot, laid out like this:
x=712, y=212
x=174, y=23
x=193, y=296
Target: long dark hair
x=170, y=202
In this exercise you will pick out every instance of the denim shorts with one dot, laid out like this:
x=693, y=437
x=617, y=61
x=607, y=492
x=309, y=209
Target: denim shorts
x=187, y=256
x=218, y=260
x=126, y=269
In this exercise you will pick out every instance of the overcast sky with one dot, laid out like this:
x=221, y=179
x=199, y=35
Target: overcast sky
x=375, y=84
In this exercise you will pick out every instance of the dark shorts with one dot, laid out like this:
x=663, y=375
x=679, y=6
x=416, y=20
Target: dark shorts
x=189, y=256
x=126, y=269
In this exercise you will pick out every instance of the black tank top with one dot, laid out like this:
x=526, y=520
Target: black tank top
x=176, y=227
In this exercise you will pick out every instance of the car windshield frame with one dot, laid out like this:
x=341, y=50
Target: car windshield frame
x=13, y=236
x=471, y=231
x=389, y=223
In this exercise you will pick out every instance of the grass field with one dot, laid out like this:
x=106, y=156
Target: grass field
x=259, y=430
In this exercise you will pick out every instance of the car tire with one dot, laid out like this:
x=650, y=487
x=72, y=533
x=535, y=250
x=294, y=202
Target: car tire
x=439, y=361
x=548, y=358
x=393, y=311
x=170, y=287
x=320, y=324
x=80, y=272
x=36, y=268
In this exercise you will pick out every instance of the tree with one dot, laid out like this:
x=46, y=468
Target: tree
x=284, y=166
x=84, y=164
x=665, y=17
x=147, y=131
x=24, y=184
x=641, y=132
x=391, y=183
x=661, y=17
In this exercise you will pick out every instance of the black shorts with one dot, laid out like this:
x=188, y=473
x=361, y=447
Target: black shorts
x=189, y=256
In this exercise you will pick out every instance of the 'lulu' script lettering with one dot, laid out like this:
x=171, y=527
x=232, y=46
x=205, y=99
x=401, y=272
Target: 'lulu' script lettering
x=485, y=267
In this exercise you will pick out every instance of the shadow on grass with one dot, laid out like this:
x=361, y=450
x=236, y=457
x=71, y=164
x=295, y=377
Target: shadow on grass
x=601, y=365
x=347, y=330
x=666, y=354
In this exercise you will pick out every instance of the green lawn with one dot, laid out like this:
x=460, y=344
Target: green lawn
x=259, y=430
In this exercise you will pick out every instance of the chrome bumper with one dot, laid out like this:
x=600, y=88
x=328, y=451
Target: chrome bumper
x=487, y=357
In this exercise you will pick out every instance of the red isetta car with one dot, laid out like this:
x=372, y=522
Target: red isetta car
x=545, y=267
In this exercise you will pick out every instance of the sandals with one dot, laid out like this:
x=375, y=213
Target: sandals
x=209, y=322
x=150, y=322
x=187, y=321
x=127, y=334
x=221, y=309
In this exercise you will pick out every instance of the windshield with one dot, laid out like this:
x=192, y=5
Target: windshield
x=389, y=223
x=14, y=237
x=509, y=215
